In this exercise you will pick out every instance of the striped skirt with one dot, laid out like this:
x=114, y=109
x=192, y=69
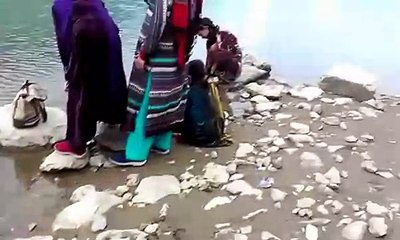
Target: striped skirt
x=167, y=95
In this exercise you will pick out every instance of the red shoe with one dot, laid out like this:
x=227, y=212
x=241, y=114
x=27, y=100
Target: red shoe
x=65, y=148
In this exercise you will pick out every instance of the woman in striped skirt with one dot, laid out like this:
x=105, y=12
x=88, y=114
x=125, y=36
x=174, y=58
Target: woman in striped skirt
x=158, y=85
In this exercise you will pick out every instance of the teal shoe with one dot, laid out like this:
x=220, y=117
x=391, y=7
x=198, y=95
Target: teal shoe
x=162, y=143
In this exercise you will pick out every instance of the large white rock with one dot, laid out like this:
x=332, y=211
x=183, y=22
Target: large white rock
x=84, y=212
x=270, y=91
x=154, y=188
x=244, y=149
x=376, y=209
x=350, y=81
x=300, y=128
x=216, y=173
x=250, y=74
x=377, y=226
x=306, y=92
x=241, y=187
x=268, y=106
x=354, y=231
x=218, y=201
x=311, y=232
x=56, y=162
x=45, y=133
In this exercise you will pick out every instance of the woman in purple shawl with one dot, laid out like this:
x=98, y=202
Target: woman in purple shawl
x=90, y=50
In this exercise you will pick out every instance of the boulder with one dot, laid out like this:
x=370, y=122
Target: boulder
x=306, y=92
x=45, y=133
x=350, y=81
x=251, y=74
x=272, y=91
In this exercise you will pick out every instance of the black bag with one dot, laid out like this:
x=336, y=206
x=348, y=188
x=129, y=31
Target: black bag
x=29, y=107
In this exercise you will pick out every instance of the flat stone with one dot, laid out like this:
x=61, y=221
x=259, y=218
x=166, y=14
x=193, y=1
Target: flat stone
x=343, y=126
x=216, y=173
x=236, y=176
x=376, y=104
x=351, y=139
x=333, y=175
x=343, y=101
x=306, y=92
x=332, y=121
x=369, y=166
x=300, y=138
x=122, y=235
x=377, y=227
x=334, y=148
x=217, y=201
x=270, y=91
x=268, y=106
x=355, y=231
x=278, y=195
x=279, y=142
x=310, y=160
x=282, y=116
x=259, y=99
x=322, y=209
x=311, y=232
x=155, y=188
x=238, y=236
x=244, y=149
x=367, y=138
x=376, y=209
x=337, y=207
x=81, y=192
x=385, y=174
x=319, y=222
x=300, y=127
x=57, y=162
x=241, y=187
x=151, y=228
x=327, y=100
x=255, y=213
x=317, y=109
x=368, y=112
x=240, y=108
x=305, y=203
x=246, y=229
x=250, y=74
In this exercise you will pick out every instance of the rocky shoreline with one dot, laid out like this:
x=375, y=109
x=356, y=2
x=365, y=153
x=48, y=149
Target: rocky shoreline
x=309, y=163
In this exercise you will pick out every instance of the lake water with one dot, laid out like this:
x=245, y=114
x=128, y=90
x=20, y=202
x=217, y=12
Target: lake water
x=302, y=39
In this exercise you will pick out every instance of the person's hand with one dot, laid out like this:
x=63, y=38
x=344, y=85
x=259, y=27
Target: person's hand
x=139, y=63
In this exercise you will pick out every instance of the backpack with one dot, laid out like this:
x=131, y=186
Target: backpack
x=204, y=124
x=29, y=108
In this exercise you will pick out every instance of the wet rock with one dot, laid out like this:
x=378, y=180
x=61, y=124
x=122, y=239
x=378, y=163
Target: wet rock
x=268, y=106
x=376, y=209
x=87, y=210
x=354, y=231
x=351, y=139
x=346, y=88
x=43, y=134
x=310, y=160
x=216, y=173
x=244, y=149
x=131, y=234
x=270, y=91
x=306, y=92
x=154, y=188
x=282, y=116
x=305, y=203
x=241, y=187
x=218, y=201
x=278, y=195
x=377, y=227
x=369, y=166
x=311, y=232
x=300, y=127
x=265, y=235
x=317, y=109
x=56, y=162
x=300, y=138
x=255, y=213
x=332, y=121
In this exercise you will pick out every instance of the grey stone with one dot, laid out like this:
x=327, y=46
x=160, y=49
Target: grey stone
x=342, y=87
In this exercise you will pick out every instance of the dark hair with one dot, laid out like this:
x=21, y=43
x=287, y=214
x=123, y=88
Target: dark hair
x=196, y=71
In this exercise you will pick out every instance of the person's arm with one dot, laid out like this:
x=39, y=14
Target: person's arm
x=158, y=20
